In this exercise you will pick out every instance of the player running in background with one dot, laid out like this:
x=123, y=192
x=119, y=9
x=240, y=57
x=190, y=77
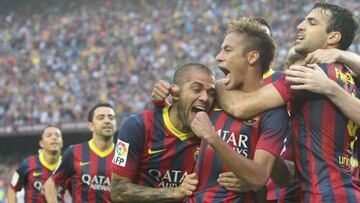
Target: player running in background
x=323, y=138
x=35, y=170
x=156, y=149
x=88, y=165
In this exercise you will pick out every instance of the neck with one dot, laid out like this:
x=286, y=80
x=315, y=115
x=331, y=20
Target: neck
x=101, y=142
x=252, y=80
x=51, y=158
x=175, y=119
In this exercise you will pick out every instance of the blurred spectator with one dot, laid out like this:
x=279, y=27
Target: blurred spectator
x=56, y=62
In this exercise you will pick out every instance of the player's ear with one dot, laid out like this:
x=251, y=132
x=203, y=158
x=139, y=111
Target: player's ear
x=41, y=144
x=91, y=126
x=334, y=38
x=175, y=92
x=252, y=56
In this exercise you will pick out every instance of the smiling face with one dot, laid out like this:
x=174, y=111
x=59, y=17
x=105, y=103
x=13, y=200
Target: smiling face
x=103, y=122
x=232, y=60
x=197, y=93
x=51, y=140
x=312, y=32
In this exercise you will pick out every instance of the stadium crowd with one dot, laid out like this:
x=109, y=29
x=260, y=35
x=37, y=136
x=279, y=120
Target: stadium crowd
x=54, y=63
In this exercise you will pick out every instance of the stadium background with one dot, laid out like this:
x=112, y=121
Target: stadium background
x=60, y=57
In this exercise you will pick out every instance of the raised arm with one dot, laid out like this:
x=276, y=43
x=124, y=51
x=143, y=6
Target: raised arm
x=246, y=105
x=50, y=191
x=315, y=80
x=123, y=190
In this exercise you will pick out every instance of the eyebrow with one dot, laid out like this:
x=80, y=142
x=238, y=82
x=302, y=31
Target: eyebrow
x=311, y=19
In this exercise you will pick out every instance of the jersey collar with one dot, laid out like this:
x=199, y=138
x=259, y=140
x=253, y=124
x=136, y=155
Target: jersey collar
x=98, y=152
x=268, y=73
x=43, y=161
x=182, y=136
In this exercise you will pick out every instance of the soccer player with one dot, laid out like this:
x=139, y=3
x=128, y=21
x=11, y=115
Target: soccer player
x=314, y=79
x=88, y=165
x=35, y=170
x=323, y=138
x=248, y=148
x=156, y=149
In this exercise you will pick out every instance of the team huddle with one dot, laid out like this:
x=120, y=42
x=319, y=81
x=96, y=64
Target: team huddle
x=256, y=135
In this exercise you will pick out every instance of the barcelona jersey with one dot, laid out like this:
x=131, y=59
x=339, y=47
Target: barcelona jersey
x=292, y=192
x=266, y=132
x=324, y=141
x=32, y=175
x=89, y=170
x=152, y=152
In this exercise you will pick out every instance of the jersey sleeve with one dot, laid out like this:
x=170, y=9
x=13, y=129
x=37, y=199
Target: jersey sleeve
x=65, y=170
x=274, y=128
x=129, y=147
x=19, y=177
x=283, y=87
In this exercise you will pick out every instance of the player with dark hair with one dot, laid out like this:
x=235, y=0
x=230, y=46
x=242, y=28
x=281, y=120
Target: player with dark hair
x=88, y=165
x=248, y=148
x=323, y=138
x=156, y=149
x=35, y=170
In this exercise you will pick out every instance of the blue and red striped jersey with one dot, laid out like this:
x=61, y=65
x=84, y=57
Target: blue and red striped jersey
x=152, y=152
x=291, y=193
x=266, y=131
x=271, y=76
x=89, y=170
x=32, y=175
x=323, y=140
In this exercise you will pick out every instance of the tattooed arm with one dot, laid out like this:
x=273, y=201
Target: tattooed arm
x=123, y=190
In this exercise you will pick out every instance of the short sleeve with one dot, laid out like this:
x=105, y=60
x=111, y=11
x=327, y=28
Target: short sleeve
x=19, y=177
x=129, y=147
x=274, y=129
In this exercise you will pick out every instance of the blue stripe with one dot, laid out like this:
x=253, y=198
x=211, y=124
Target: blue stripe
x=300, y=144
x=101, y=171
x=85, y=157
x=322, y=171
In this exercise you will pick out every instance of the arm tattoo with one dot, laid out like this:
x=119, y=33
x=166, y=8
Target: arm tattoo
x=123, y=190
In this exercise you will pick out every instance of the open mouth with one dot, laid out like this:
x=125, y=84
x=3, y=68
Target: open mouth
x=224, y=70
x=197, y=109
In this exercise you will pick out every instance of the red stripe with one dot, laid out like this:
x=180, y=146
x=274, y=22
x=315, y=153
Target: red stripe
x=93, y=171
x=206, y=162
x=106, y=195
x=327, y=129
x=148, y=117
x=188, y=155
x=44, y=176
x=30, y=186
x=77, y=154
x=207, y=159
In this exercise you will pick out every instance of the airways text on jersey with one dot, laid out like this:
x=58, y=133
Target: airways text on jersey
x=239, y=142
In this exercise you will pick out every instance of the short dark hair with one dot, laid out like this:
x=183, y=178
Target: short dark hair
x=263, y=22
x=91, y=112
x=341, y=20
x=181, y=74
x=257, y=39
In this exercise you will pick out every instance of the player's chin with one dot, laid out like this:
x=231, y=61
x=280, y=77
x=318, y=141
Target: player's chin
x=108, y=133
